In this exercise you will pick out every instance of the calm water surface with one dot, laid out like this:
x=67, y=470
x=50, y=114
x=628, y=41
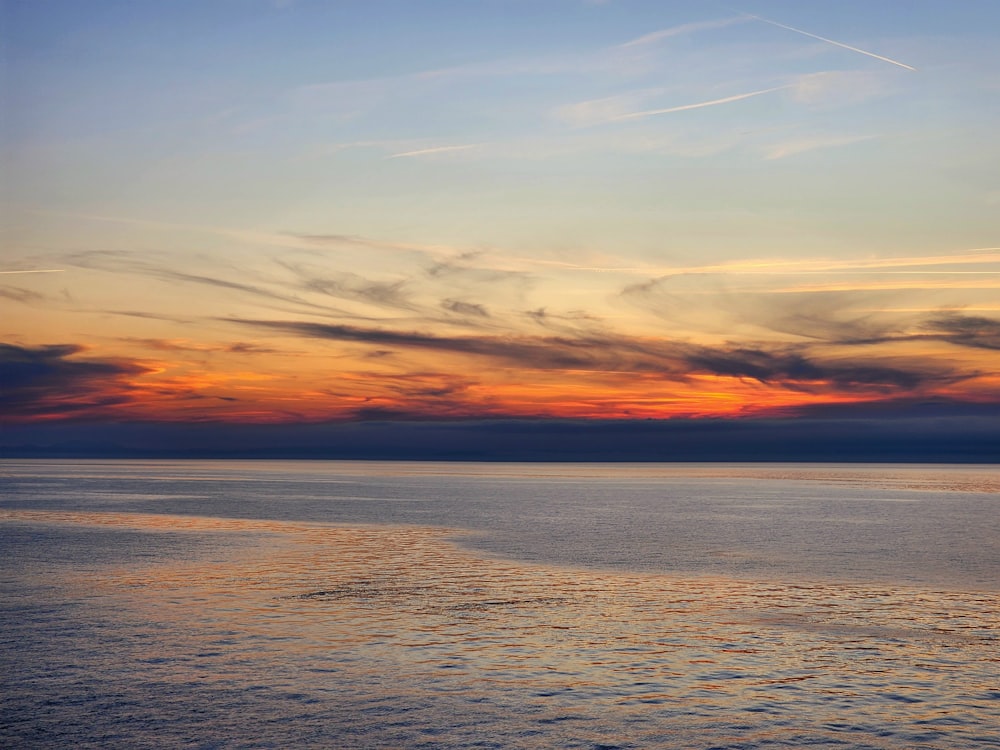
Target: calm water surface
x=309, y=604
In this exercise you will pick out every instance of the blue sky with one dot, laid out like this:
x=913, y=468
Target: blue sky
x=224, y=110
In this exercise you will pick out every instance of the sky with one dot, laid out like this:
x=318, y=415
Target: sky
x=294, y=212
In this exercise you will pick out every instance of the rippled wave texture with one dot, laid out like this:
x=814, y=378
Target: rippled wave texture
x=128, y=629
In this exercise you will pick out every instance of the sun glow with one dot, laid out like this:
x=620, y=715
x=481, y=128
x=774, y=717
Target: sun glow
x=569, y=229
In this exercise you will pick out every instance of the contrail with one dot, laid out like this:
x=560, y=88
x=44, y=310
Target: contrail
x=435, y=150
x=831, y=41
x=699, y=105
x=38, y=270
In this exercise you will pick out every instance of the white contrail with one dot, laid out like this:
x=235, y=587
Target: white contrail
x=831, y=41
x=699, y=105
x=426, y=151
x=38, y=270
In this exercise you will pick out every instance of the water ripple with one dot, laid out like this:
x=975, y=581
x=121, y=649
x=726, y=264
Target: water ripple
x=311, y=635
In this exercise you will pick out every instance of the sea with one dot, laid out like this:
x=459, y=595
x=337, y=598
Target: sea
x=325, y=604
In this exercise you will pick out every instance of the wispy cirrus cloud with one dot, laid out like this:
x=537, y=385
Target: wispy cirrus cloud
x=349, y=99
x=352, y=96
x=840, y=314
x=353, y=287
x=414, y=277
x=183, y=345
x=17, y=294
x=967, y=331
x=794, y=368
x=125, y=264
x=959, y=280
x=791, y=366
x=815, y=143
x=605, y=109
x=347, y=241
x=682, y=30
x=261, y=237
x=974, y=331
x=543, y=353
x=833, y=89
x=913, y=264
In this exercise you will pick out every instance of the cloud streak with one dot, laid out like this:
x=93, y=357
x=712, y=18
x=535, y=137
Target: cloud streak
x=783, y=365
x=966, y=330
x=831, y=41
x=970, y=332
x=259, y=237
x=698, y=105
x=17, y=294
x=175, y=345
x=803, y=267
x=832, y=317
x=793, y=148
x=681, y=30
x=36, y=270
x=118, y=263
x=432, y=151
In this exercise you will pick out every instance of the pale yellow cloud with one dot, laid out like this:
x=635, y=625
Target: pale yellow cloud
x=605, y=109
x=36, y=270
x=804, y=145
x=840, y=88
x=782, y=266
x=787, y=266
x=857, y=286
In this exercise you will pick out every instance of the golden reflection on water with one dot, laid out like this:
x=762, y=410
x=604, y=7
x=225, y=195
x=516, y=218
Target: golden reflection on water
x=392, y=636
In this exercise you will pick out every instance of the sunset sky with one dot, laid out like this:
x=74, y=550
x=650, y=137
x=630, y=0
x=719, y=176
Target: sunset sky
x=290, y=211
